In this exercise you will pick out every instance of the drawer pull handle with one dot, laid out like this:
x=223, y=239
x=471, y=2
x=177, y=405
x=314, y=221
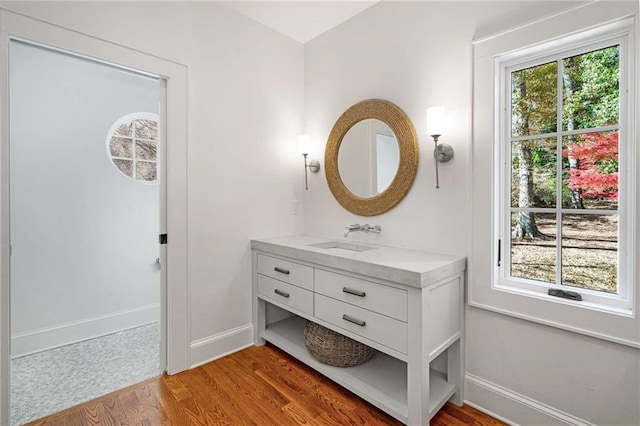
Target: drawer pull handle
x=353, y=320
x=354, y=292
x=281, y=293
x=282, y=271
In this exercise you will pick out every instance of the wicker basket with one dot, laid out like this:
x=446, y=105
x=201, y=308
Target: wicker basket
x=332, y=348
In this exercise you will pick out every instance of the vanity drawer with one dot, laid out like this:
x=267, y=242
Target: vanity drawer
x=286, y=294
x=286, y=271
x=382, y=329
x=385, y=300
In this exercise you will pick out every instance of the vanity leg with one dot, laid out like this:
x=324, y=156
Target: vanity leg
x=454, y=372
x=259, y=321
x=417, y=365
x=418, y=394
x=258, y=306
x=455, y=353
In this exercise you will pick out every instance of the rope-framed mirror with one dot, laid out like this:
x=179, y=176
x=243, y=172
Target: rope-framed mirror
x=406, y=158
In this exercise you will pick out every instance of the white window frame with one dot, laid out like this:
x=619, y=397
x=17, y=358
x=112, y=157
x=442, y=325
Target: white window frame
x=605, y=36
x=539, y=36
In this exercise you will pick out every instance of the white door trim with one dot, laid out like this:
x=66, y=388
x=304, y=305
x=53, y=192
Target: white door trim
x=174, y=254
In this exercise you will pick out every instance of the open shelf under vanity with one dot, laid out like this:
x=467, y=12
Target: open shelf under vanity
x=382, y=380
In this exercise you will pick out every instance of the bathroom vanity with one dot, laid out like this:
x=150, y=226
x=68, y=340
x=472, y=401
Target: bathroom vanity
x=406, y=304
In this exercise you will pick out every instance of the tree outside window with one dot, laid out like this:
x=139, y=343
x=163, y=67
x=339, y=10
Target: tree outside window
x=132, y=145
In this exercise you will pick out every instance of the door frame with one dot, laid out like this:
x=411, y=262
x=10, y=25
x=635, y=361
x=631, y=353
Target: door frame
x=173, y=178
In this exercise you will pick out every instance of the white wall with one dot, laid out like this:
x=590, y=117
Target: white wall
x=528, y=373
x=84, y=236
x=245, y=105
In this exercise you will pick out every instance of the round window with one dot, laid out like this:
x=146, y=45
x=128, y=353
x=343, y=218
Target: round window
x=132, y=145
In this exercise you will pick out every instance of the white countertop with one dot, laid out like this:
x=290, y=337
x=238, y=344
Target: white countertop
x=413, y=268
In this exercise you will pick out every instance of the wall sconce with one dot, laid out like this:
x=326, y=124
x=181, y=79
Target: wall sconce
x=304, y=146
x=435, y=127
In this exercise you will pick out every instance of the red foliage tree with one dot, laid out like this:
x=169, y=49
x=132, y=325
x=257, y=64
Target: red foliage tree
x=597, y=174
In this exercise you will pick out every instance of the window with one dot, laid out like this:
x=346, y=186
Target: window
x=565, y=160
x=547, y=47
x=132, y=145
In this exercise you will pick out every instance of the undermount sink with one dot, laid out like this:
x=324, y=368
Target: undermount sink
x=342, y=247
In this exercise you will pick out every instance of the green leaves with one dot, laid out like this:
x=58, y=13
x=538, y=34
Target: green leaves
x=591, y=92
x=534, y=100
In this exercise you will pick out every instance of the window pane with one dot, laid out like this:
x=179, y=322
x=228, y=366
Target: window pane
x=147, y=129
x=125, y=129
x=120, y=147
x=533, y=246
x=145, y=151
x=146, y=171
x=125, y=166
x=591, y=89
x=590, y=251
x=533, y=173
x=590, y=171
x=534, y=94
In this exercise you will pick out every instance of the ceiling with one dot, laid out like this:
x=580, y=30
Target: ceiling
x=301, y=20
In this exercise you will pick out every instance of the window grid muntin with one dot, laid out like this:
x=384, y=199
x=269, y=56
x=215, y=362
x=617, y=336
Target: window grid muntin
x=566, y=133
x=507, y=68
x=133, y=118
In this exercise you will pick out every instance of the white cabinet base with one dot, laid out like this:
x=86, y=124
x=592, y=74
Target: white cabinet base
x=415, y=324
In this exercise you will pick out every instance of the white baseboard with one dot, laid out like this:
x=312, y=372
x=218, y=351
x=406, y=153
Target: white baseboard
x=514, y=408
x=42, y=339
x=221, y=344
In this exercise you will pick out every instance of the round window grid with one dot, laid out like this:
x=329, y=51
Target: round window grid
x=132, y=146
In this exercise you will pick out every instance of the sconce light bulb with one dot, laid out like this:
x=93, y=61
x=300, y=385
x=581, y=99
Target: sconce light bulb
x=435, y=120
x=304, y=144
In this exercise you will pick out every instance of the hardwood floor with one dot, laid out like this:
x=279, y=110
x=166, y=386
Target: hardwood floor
x=256, y=386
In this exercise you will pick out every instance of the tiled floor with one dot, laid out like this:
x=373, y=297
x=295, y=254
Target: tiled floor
x=50, y=381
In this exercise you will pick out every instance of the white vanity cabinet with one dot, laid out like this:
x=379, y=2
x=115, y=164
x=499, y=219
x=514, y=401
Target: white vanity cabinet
x=406, y=304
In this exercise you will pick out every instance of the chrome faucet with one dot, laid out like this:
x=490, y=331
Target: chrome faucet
x=364, y=228
x=351, y=228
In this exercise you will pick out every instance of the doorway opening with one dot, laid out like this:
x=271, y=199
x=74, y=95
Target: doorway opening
x=86, y=290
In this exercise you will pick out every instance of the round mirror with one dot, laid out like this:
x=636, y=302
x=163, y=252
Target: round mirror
x=371, y=158
x=368, y=158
